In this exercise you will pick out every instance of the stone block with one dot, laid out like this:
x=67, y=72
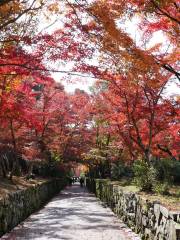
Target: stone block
x=172, y=231
x=177, y=230
x=19, y=205
x=164, y=211
x=152, y=220
x=157, y=210
x=148, y=234
x=144, y=220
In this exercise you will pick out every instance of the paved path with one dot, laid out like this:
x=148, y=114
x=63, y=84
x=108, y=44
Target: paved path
x=74, y=214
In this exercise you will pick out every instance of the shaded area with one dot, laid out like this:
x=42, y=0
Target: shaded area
x=73, y=214
x=17, y=183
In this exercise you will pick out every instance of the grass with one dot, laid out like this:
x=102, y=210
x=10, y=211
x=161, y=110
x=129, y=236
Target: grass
x=18, y=183
x=170, y=201
x=127, y=185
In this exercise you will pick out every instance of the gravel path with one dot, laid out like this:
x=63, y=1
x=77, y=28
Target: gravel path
x=74, y=214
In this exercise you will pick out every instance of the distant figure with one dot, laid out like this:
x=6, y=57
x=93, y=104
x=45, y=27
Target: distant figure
x=81, y=181
x=70, y=181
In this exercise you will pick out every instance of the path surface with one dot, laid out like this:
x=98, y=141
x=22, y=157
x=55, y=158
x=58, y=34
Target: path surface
x=74, y=214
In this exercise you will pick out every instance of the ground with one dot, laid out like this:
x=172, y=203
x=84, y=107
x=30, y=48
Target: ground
x=171, y=201
x=7, y=186
x=72, y=215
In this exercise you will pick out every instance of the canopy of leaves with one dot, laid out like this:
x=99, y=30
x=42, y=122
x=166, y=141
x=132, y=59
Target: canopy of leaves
x=125, y=116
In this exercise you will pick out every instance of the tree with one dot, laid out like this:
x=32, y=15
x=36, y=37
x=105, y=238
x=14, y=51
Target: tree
x=79, y=136
x=134, y=75
x=154, y=16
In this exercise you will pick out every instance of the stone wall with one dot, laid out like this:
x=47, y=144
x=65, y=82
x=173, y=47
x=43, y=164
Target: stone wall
x=150, y=220
x=18, y=205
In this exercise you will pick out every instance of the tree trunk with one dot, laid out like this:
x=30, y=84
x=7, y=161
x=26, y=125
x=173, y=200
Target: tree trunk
x=15, y=163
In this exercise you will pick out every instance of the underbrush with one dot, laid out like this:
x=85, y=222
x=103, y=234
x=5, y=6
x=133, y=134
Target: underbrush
x=170, y=200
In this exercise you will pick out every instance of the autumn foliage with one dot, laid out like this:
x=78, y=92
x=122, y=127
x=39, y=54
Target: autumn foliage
x=126, y=116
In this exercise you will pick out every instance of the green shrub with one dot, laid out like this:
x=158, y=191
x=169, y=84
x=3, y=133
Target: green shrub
x=145, y=175
x=178, y=194
x=119, y=170
x=168, y=170
x=161, y=188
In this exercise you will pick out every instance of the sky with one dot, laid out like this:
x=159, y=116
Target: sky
x=83, y=83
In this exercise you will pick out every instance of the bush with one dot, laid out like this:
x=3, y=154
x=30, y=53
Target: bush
x=161, y=188
x=168, y=170
x=119, y=170
x=178, y=194
x=145, y=175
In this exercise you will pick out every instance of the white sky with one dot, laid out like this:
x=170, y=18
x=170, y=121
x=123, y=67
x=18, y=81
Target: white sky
x=83, y=83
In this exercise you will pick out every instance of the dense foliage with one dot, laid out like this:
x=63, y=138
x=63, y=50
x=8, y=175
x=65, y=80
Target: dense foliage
x=127, y=116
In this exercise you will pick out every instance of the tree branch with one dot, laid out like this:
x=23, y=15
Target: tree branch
x=166, y=150
x=165, y=13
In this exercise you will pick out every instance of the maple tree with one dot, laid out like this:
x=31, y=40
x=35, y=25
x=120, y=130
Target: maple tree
x=140, y=115
x=128, y=114
x=32, y=106
x=128, y=67
x=154, y=16
x=78, y=138
x=17, y=99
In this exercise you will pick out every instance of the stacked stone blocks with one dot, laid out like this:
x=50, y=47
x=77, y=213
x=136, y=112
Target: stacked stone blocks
x=17, y=206
x=151, y=220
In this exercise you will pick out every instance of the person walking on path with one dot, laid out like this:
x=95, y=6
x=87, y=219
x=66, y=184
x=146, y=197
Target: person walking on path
x=81, y=181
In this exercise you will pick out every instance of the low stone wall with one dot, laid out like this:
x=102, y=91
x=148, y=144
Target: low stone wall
x=18, y=205
x=150, y=220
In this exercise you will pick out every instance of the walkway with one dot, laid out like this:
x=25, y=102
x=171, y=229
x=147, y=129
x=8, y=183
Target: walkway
x=74, y=214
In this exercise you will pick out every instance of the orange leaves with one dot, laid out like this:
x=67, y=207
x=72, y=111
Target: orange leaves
x=117, y=44
x=9, y=8
x=53, y=7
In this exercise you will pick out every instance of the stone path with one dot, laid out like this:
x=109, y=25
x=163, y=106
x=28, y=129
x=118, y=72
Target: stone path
x=74, y=214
